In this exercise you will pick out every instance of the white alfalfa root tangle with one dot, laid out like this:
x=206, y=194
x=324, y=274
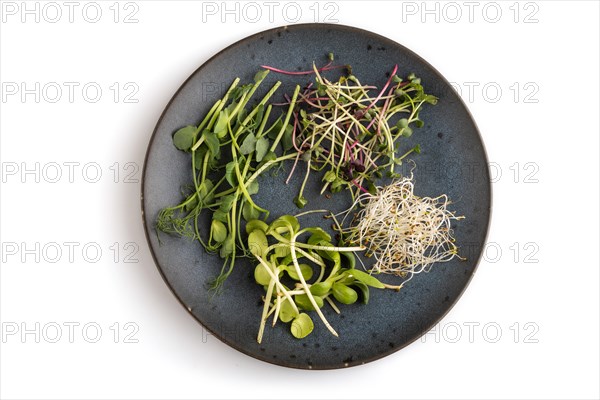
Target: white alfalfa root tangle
x=405, y=233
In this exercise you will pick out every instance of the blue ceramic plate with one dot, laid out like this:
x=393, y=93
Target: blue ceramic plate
x=452, y=161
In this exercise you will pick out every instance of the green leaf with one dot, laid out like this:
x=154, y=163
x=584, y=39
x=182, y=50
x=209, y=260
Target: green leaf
x=257, y=243
x=241, y=116
x=318, y=235
x=431, y=99
x=286, y=139
x=260, y=75
x=349, y=256
x=402, y=123
x=304, y=303
x=220, y=215
x=248, y=144
x=306, y=155
x=206, y=197
x=220, y=128
x=329, y=176
x=262, y=147
x=283, y=224
x=364, y=290
x=322, y=90
x=274, y=130
x=230, y=174
x=252, y=188
x=239, y=91
x=330, y=254
x=261, y=276
x=344, y=294
x=302, y=326
x=337, y=185
x=305, y=270
x=184, y=137
x=260, y=110
x=218, y=231
x=212, y=142
x=401, y=94
x=227, y=247
x=256, y=224
x=321, y=288
x=345, y=278
x=407, y=132
x=227, y=203
x=287, y=312
x=300, y=201
x=282, y=251
x=270, y=156
x=370, y=186
x=191, y=205
x=249, y=212
x=199, y=156
x=366, y=278
x=417, y=85
x=229, y=109
x=287, y=259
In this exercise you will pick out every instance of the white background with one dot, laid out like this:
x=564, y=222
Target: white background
x=532, y=306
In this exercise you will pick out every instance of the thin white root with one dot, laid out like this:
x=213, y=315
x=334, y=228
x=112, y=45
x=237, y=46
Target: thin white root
x=405, y=233
x=332, y=304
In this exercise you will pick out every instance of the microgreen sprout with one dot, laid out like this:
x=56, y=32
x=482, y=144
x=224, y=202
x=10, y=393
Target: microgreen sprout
x=291, y=296
x=229, y=127
x=405, y=233
x=353, y=131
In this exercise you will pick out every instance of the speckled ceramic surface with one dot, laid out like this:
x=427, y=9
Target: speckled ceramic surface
x=452, y=161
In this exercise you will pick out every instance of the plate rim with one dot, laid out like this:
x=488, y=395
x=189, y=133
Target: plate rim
x=148, y=229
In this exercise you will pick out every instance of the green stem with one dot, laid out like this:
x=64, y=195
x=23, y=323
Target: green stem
x=277, y=282
x=287, y=118
x=204, y=166
x=263, y=319
x=319, y=262
x=241, y=185
x=198, y=231
x=306, y=288
x=263, y=123
x=216, y=111
x=239, y=231
x=207, y=118
x=255, y=110
x=305, y=178
x=315, y=247
x=266, y=166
